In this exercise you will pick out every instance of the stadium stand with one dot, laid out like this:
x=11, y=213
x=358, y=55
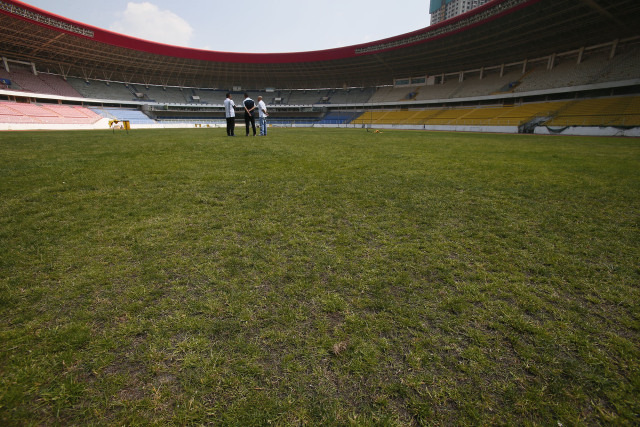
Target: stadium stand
x=389, y=94
x=597, y=68
x=37, y=112
x=622, y=111
x=565, y=74
x=76, y=114
x=490, y=84
x=5, y=75
x=339, y=118
x=166, y=95
x=352, y=96
x=24, y=79
x=616, y=111
x=498, y=116
x=100, y=89
x=421, y=117
x=547, y=83
x=14, y=112
x=29, y=82
x=380, y=117
x=8, y=114
x=448, y=116
x=134, y=116
x=623, y=67
x=58, y=85
x=212, y=96
x=302, y=97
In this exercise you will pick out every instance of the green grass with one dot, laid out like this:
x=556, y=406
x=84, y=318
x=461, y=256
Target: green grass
x=332, y=277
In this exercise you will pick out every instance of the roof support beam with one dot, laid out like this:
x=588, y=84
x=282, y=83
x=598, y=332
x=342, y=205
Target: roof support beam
x=551, y=62
x=613, y=49
x=580, y=53
x=602, y=11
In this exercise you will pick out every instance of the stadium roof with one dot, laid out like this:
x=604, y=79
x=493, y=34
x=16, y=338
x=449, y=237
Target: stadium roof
x=501, y=31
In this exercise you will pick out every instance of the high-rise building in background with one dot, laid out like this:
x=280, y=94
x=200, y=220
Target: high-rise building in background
x=441, y=10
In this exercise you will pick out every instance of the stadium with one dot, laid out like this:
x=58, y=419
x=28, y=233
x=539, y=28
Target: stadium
x=440, y=228
x=508, y=66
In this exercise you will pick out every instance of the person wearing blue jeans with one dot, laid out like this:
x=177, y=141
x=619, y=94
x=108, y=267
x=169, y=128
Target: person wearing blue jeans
x=262, y=110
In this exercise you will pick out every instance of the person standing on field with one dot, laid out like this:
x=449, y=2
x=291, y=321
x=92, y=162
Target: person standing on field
x=262, y=113
x=249, y=106
x=230, y=114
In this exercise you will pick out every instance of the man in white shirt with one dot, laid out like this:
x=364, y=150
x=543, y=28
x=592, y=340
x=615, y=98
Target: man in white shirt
x=230, y=114
x=262, y=109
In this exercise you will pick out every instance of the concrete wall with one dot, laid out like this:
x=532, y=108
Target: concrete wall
x=486, y=129
x=100, y=124
x=589, y=131
x=103, y=124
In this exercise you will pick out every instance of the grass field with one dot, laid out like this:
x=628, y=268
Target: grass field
x=321, y=277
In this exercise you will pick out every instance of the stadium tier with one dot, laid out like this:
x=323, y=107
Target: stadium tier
x=599, y=112
x=13, y=112
x=618, y=111
x=566, y=75
x=134, y=116
x=25, y=79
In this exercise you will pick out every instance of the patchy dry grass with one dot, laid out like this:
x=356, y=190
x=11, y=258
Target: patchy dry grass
x=320, y=277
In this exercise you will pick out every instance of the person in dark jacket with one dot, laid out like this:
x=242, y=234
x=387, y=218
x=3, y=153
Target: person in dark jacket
x=249, y=106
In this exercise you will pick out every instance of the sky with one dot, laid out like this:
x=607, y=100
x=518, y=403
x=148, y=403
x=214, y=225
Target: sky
x=249, y=26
